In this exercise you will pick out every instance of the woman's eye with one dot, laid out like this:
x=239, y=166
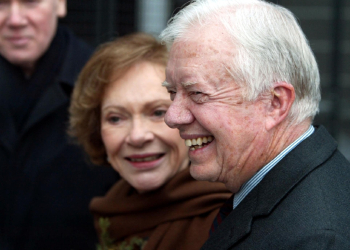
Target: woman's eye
x=113, y=119
x=160, y=113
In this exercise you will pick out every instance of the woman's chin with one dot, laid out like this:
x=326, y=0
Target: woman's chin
x=144, y=186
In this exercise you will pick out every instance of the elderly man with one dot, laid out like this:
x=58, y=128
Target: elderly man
x=245, y=89
x=45, y=184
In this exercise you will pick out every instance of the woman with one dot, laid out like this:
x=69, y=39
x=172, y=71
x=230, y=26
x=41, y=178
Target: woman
x=117, y=115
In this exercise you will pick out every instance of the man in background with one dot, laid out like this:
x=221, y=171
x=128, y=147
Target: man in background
x=245, y=88
x=45, y=184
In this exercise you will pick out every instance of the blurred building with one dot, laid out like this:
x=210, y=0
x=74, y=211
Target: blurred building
x=325, y=22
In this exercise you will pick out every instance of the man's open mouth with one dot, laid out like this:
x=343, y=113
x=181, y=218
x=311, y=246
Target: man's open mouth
x=199, y=142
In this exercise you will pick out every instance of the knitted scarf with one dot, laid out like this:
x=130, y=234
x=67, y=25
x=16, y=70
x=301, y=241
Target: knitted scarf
x=176, y=216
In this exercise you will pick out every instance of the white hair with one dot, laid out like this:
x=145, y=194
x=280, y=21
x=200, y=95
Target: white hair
x=269, y=47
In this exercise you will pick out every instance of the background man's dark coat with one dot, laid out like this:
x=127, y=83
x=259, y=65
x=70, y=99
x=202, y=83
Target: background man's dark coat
x=46, y=184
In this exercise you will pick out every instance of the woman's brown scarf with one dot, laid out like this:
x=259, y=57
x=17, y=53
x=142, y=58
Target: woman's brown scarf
x=175, y=216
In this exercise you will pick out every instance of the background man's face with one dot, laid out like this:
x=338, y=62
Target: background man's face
x=27, y=28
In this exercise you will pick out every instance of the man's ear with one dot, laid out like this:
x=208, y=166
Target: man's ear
x=283, y=95
x=61, y=8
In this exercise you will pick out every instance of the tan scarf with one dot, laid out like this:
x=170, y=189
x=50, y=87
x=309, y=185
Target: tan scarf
x=175, y=216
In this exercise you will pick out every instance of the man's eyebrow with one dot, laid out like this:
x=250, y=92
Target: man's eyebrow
x=184, y=84
x=188, y=84
x=166, y=84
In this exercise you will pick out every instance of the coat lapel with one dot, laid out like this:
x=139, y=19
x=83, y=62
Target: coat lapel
x=8, y=134
x=235, y=226
x=293, y=168
x=53, y=98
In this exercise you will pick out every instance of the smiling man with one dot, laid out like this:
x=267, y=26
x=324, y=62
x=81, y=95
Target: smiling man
x=45, y=183
x=245, y=89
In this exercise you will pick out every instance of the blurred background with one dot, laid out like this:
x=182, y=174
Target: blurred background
x=326, y=24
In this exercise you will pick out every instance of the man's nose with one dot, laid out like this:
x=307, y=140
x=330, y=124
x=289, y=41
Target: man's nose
x=178, y=114
x=16, y=14
x=140, y=133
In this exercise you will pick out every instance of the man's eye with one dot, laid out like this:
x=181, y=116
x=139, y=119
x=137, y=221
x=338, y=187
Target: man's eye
x=172, y=94
x=195, y=94
x=198, y=96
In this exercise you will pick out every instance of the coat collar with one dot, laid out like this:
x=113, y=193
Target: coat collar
x=78, y=53
x=58, y=94
x=8, y=134
x=53, y=98
x=273, y=188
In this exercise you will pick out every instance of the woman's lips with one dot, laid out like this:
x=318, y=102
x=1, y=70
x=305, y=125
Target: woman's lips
x=145, y=161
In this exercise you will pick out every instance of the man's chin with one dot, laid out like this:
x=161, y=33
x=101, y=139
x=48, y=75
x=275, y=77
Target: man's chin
x=203, y=172
x=20, y=60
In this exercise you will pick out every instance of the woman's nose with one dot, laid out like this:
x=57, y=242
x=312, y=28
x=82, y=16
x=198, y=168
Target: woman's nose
x=140, y=133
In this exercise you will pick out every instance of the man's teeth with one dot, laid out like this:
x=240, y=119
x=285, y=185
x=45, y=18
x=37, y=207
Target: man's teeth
x=198, y=142
x=150, y=158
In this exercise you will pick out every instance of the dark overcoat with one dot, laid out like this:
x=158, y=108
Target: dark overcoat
x=302, y=203
x=46, y=183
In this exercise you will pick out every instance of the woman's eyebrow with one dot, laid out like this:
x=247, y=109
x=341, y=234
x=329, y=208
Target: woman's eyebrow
x=160, y=102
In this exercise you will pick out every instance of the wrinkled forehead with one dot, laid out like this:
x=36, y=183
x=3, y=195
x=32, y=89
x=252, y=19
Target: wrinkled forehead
x=200, y=57
x=192, y=49
x=204, y=41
